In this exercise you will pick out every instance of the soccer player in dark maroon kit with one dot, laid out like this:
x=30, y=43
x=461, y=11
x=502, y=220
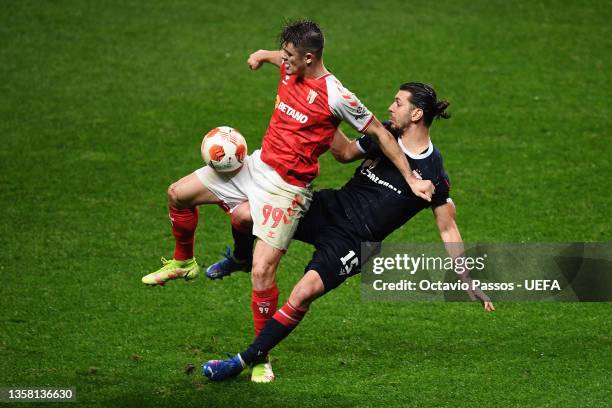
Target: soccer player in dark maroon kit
x=370, y=206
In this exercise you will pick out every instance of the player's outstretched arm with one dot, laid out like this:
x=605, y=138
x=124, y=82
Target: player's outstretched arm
x=258, y=58
x=389, y=146
x=449, y=232
x=343, y=149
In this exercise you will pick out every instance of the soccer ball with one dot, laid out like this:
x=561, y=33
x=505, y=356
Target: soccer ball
x=224, y=149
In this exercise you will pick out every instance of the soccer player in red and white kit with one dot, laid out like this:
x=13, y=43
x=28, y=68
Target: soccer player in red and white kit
x=310, y=104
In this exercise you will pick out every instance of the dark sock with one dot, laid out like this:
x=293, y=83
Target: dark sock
x=276, y=329
x=243, y=244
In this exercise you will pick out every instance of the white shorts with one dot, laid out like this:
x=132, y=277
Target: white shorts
x=276, y=206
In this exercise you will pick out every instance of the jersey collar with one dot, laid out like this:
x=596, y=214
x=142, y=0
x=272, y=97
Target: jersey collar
x=423, y=155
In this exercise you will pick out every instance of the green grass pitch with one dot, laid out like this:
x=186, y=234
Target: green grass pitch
x=103, y=105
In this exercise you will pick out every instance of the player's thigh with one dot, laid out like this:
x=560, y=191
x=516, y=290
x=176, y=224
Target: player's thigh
x=190, y=192
x=276, y=206
x=336, y=258
x=276, y=217
x=313, y=221
x=228, y=188
x=241, y=215
x=324, y=211
x=265, y=262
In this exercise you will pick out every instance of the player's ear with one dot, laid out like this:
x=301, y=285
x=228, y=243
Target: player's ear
x=416, y=114
x=308, y=57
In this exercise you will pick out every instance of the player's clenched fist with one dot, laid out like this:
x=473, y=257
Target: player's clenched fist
x=422, y=188
x=256, y=60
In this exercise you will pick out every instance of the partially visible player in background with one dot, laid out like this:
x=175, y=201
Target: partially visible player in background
x=369, y=207
x=310, y=104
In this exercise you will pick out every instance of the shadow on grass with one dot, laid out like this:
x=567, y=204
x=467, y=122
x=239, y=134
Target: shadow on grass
x=196, y=390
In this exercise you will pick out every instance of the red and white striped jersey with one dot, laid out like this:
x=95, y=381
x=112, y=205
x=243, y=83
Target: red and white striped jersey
x=306, y=115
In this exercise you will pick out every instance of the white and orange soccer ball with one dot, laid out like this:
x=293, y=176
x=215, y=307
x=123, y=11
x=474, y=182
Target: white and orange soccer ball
x=224, y=149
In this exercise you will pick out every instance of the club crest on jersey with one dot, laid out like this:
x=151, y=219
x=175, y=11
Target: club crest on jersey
x=370, y=164
x=289, y=111
x=312, y=95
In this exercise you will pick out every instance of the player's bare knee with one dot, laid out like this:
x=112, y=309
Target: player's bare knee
x=174, y=198
x=262, y=275
x=301, y=298
x=305, y=292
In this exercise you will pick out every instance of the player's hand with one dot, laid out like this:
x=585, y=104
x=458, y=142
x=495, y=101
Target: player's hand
x=255, y=60
x=422, y=188
x=477, y=294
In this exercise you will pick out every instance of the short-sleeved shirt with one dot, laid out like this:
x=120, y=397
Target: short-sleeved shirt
x=377, y=199
x=346, y=225
x=306, y=115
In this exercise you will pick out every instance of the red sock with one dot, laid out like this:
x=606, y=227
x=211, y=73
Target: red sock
x=184, y=223
x=289, y=316
x=263, y=305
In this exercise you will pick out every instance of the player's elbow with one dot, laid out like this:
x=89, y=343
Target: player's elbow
x=340, y=155
x=346, y=153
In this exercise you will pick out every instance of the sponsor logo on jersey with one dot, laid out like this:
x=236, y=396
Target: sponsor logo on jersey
x=366, y=171
x=312, y=95
x=289, y=111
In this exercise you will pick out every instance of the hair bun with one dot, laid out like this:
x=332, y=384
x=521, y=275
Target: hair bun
x=441, y=109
